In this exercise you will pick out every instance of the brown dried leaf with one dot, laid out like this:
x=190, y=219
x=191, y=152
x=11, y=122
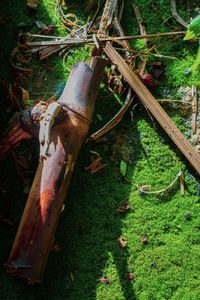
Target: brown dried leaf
x=158, y=69
x=124, y=207
x=94, y=164
x=122, y=241
x=98, y=168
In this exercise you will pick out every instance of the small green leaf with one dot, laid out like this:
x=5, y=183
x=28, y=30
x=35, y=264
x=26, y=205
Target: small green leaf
x=123, y=167
x=193, y=29
x=197, y=61
x=189, y=35
x=99, y=117
x=118, y=99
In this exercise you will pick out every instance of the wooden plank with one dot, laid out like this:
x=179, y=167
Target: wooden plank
x=155, y=108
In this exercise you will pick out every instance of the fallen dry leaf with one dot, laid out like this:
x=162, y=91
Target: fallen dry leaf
x=124, y=207
x=95, y=166
x=144, y=239
x=158, y=69
x=122, y=241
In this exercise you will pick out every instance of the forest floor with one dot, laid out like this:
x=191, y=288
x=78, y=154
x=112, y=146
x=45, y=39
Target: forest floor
x=161, y=259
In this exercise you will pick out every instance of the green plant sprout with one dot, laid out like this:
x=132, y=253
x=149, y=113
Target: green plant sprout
x=193, y=31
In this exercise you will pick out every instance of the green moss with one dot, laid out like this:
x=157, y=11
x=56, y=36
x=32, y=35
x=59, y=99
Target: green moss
x=167, y=266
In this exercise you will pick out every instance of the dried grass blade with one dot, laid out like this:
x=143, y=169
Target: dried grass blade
x=194, y=108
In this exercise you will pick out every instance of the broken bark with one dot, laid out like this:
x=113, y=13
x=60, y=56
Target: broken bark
x=155, y=108
x=35, y=235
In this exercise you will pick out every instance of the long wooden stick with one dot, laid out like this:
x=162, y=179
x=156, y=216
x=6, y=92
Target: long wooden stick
x=156, y=109
x=119, y=38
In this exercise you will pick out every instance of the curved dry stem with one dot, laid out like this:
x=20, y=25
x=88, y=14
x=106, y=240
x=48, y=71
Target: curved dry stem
x=176, y=15
x=115, y=120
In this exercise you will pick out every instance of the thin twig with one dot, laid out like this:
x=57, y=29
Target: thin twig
x=176, y=15
x=142, y=32
x=194, y=108
x=140, y=22
x=80, y=41
x=155, y=9
x=152, y=54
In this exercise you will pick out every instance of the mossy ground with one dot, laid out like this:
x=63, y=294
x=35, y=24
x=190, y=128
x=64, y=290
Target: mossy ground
x=168, y=265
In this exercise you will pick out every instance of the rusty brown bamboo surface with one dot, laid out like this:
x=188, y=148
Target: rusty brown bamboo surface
x=35, y=235
x=156, y=109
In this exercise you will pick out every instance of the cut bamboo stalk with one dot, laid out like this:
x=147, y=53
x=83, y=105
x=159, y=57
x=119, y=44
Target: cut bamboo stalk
x=194, y=108
x=155, y=108
x=35, y=235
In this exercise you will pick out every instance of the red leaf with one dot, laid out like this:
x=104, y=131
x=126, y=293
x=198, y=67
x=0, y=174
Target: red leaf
x=124, y=207
x=144, y=239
